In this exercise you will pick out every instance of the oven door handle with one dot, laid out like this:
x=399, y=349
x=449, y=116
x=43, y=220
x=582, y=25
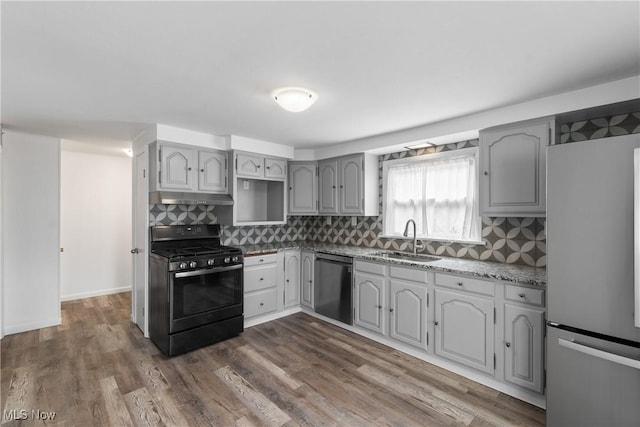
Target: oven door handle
x=204, y=271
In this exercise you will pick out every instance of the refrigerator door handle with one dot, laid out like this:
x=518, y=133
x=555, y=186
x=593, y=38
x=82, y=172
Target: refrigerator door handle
x=611, y=357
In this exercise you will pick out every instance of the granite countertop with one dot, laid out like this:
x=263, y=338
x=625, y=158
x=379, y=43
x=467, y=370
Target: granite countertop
x=486, y=269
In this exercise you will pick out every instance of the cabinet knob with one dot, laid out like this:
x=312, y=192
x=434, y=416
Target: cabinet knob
x=261, y=260
x=486, y=173
x=342, y=186
x=436, y=323
x=391, y=310
x=268, y=167
x=287, y=280
x=521, y=295
x=261, y=279
x=188, y=169
x=333, y=186
x=290, y=188
x=201, y=170
x=258, y=166
x=261, y=304
x=310, y=281
x=460, y=283
x=379, y=307
x=508, y=344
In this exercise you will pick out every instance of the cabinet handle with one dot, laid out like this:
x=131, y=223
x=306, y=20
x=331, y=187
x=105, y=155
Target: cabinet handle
x=436, y=323
x=508, y=344
x=521, y=295
x=460, y=284
x=486, y=173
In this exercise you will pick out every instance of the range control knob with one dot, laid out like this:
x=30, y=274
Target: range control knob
x=193, y=264
x=211, y=261
x=182, y=265
x=235, y=259
x=227, y=260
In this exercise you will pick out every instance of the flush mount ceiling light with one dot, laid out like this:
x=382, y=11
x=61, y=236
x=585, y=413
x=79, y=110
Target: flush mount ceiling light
x=294, y=99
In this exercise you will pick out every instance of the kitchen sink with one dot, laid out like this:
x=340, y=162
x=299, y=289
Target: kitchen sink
x=407, y=256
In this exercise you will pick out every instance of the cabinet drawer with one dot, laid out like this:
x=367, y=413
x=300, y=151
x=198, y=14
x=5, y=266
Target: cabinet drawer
x=370, y=267
x=262, y=302
x=259, y=259
x=415, y=275
x=524, y=295
x=259, y=277
x=483, y=287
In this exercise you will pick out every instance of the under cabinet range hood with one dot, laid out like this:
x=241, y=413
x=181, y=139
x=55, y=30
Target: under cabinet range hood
x=180, y=198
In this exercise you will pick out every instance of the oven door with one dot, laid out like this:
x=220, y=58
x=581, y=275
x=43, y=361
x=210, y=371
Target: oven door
x=204, y=296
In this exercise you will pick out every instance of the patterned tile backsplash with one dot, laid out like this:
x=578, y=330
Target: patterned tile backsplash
x=508, y=240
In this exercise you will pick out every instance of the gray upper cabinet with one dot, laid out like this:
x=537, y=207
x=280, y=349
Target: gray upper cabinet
x=351, y=180
x=303, y=188
x=513, y=168
x=275, y=168
x=249, y=165
x=178, y=167
x=328, y=186
x=348, y=185
x=212, y=171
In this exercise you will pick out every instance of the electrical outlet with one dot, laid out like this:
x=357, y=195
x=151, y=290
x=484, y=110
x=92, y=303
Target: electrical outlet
x=328, y=220
x=245, y=185
x=354, y=221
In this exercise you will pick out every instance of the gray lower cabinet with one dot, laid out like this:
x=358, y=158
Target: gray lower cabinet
x=291, y=278
x=524, y=339
x=464, y=329
x=307, y=260
x=369, y=301
x=260, y=285
x=392, y=301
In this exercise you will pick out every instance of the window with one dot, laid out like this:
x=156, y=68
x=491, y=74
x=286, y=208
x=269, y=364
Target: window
x=438, y=191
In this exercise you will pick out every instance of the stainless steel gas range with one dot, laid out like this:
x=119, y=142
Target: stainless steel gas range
x=195, y=288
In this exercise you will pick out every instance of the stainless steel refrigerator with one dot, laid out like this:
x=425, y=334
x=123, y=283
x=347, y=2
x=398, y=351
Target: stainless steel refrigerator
x=593, y=295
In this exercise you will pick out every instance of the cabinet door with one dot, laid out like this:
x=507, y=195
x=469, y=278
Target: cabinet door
x=328, y=187
x=351, y=184
x=369, y=296
x=212, y=171
x=248, y=165
x=408, y=313
x=306, y=285
x=523, y=346
x=303, y=188
x=513, y=169
x=176, y=168
x=291, y=278
x=465, y=329
x=275, y=168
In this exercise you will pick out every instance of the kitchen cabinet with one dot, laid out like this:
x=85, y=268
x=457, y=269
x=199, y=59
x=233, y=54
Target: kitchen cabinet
x=259, y=191
x=464, y=323
x=178, y=167
x=303, y=188
x=348, y=185
x=408, y=305
x=392, y=301
x=513, y=168
x=291, y=278
x=524, y=338
x=369, y=295
x=256, y=166
x=307, y=260
x=260, y=285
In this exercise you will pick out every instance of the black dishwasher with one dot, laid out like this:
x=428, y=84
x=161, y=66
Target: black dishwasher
x=332, y=290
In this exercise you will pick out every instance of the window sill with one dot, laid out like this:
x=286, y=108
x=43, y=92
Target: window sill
x=429, y=239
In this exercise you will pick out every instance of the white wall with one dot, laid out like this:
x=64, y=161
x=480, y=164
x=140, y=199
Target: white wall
x=95, y=224
x=30, y=231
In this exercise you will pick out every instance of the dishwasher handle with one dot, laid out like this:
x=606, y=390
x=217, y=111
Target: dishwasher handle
x=321, y=256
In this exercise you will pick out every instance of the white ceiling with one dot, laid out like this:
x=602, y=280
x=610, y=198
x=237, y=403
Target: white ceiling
x=102, y=71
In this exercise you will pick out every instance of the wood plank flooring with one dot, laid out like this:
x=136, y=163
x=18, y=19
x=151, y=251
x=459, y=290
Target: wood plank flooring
x=98, y=369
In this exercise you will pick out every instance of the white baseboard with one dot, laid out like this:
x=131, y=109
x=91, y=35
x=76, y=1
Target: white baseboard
x=30, y=326
x=82, y=295
x=269, y=317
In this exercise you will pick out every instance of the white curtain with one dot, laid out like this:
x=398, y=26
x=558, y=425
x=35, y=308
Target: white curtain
x=439, y=194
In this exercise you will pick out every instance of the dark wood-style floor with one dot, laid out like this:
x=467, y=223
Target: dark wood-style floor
x=98, y=369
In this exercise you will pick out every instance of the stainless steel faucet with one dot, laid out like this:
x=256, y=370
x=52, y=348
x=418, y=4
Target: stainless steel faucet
x=415, y=239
